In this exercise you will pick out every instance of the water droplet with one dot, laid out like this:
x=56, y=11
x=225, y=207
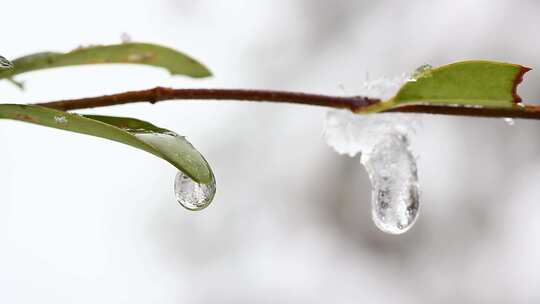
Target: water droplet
x=509, y=121
x=192, y=195
x=60, y=119
x=125, y=37
x=421, y=71
x=395, y=192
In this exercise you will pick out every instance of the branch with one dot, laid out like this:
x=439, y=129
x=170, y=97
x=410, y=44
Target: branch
x=160, y=94
x=353, y=103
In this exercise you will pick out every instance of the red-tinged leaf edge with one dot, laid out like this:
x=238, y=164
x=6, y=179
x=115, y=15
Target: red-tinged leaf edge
x=517, y=82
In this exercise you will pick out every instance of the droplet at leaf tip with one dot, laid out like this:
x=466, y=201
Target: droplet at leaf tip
x=191, y=195
x=140, y=134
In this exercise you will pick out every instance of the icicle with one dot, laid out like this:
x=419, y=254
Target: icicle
x=383, y=140
x=394, y=180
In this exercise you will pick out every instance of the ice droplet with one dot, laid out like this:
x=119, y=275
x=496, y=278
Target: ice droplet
x=421, y=71
x=60, y=119
x=125, y=37
x=192, y=195
x=509, y=121
x=395, y=193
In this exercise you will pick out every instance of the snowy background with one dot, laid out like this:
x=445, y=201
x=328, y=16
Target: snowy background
x=83, y=220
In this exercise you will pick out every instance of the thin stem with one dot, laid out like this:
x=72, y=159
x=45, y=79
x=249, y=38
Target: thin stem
x=160, y=94
x=353, y=103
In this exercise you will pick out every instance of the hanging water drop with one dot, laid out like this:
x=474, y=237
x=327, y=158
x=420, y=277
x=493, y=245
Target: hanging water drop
x=509, y=121
x=395, y=193
x=192, y=195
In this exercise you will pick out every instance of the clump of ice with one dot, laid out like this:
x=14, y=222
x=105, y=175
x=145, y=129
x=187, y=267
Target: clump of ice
x=350, y=133
x=383, y=87
x=383, y=142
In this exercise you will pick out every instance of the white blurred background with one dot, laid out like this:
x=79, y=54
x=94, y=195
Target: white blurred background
x=83, y=220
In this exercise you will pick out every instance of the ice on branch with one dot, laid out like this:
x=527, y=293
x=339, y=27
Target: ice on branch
x=383, y=142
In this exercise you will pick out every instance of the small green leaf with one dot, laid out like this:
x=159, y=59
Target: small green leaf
x=470, y=83
x=137, y=133
x=174, y=61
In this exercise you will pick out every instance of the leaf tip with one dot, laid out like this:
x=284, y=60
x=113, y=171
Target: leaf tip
x=517, y=80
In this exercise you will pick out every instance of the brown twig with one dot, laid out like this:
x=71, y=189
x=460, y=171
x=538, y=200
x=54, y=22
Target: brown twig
x=160, y=94
x=353, y=103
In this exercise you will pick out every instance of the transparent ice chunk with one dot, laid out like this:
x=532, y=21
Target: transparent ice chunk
x=383, y=143
x=395, y=192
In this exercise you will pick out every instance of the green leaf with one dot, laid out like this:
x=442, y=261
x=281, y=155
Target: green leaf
x=470, y=83
x=174, y=61
x=137, y=133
